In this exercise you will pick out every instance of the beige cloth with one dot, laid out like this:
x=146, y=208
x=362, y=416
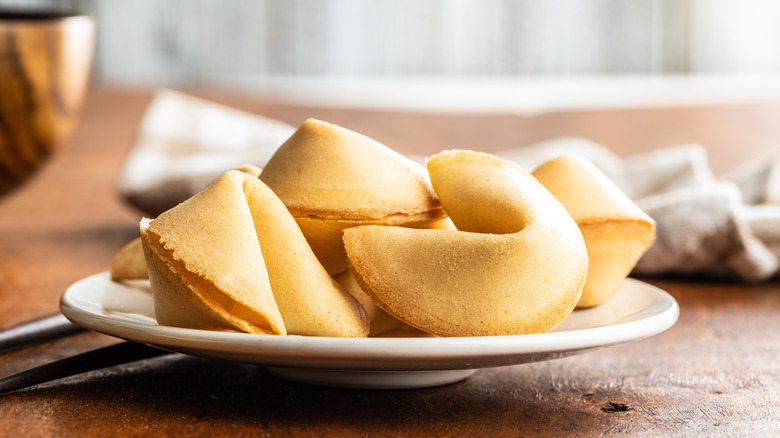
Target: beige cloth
x=184, y=143
x=726, y=227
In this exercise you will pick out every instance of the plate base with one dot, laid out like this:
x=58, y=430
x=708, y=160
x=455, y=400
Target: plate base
x=370, y=379
x=636, y=310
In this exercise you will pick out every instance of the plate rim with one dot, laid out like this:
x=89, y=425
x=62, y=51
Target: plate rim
x=429, y=353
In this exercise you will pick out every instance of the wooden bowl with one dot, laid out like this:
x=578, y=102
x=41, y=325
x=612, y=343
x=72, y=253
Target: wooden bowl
x=45, y=61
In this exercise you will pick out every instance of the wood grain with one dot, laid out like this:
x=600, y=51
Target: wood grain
x=44, y=68
x=715, y=373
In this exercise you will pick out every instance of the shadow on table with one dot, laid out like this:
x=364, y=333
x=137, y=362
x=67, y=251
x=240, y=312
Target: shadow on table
x=178, y=394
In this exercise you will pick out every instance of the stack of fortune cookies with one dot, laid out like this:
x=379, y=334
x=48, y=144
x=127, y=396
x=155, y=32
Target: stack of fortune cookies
x=341, y=236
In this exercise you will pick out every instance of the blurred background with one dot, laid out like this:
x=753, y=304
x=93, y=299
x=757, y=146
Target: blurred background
x=256, y=42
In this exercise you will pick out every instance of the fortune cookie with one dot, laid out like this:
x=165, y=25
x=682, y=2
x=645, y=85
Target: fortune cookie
x=232, y=257
x=616, y=231
x=129, y=262
x=331, y=178
x=516, y=264
x=381, y=323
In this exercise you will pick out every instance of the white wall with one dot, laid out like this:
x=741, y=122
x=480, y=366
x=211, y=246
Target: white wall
x=208, y=41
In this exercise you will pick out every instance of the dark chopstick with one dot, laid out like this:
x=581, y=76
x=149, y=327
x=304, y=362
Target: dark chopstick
x=104, y=357
x=36, y=331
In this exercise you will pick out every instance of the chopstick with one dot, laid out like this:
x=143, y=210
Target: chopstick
x=36, y=331
x=123, y=352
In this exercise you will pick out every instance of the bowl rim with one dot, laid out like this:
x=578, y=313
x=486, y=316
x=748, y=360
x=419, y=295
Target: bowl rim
x=37, y=15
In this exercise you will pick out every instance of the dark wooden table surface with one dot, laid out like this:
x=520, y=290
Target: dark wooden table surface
x=716, y=372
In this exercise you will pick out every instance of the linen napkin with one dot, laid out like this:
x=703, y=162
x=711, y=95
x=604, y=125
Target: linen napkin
x=725, y=227
x=184, y=143
x=720, y=227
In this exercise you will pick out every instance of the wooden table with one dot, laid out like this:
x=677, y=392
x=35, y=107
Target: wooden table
x=716, y=372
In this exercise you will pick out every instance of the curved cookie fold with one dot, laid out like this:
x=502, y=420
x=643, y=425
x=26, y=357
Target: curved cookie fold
x=232, y=257
x=205, y=263
x=516, y=264
x=310, y=300
x=381, y=323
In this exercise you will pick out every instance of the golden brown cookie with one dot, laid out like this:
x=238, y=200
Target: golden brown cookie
x=129, y=262
x=516, y=264
x=331, y=178
x=616, y=231
x=232, y=257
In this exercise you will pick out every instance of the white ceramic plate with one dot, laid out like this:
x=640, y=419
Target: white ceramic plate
x=637, y=310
